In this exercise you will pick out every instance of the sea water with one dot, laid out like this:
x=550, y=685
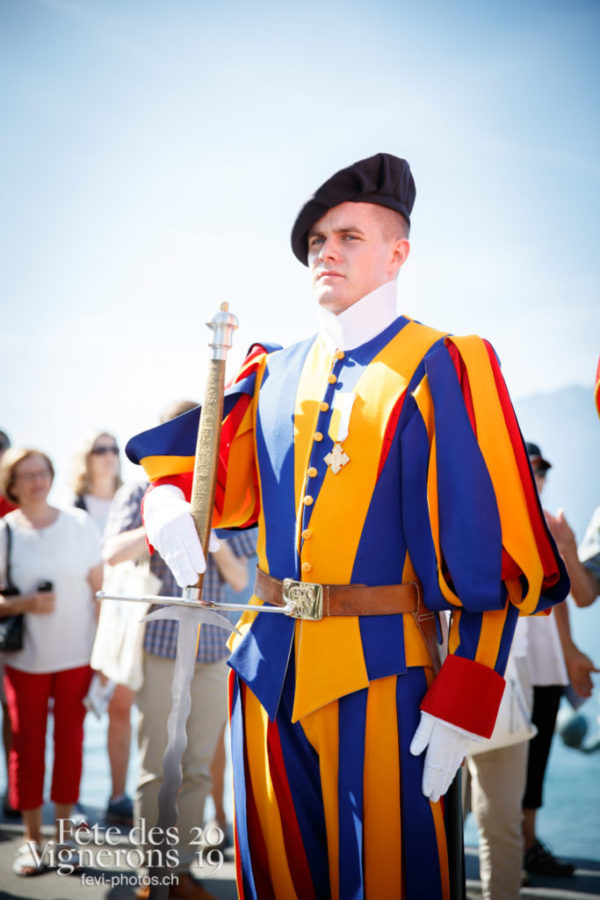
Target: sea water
x=569, y=820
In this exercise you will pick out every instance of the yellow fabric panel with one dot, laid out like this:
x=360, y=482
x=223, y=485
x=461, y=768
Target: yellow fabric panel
x=415, y=650
x=488, y=646
x=414, y=645
x=382, y=810
x=264, y=795
x=240, y=496
x=336, y=642
x=442, y=844
x=311, y=390
x=454, y=635
x=424, y=403
x=422, y=398
x=440, y=830
x=517, y=535
x=157, y=467
x=322, y=731
x=433, y=502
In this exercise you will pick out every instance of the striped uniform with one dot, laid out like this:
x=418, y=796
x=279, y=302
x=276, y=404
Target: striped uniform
x=438, y=489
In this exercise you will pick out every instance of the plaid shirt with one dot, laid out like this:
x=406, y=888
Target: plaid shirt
x=160, y=637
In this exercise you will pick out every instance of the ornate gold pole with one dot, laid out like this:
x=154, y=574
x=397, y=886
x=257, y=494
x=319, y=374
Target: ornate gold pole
x=207, y=445
x=202, y=503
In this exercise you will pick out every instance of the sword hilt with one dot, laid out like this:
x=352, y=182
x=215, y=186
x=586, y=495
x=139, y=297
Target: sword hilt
x=202, y=504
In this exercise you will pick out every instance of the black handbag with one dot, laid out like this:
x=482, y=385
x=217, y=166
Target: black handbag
x=11, y=627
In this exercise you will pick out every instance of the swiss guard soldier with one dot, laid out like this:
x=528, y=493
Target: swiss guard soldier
x=384, y=466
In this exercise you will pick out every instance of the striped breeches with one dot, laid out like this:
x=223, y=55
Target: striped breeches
x=331, y=806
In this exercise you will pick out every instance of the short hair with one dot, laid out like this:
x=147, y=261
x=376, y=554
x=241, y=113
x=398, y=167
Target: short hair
x=8, y=465
x=393, y=224
x=177, y=408
x=81, y=477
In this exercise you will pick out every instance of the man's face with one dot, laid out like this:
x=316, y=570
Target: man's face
x=351, y=252
x=539, y=475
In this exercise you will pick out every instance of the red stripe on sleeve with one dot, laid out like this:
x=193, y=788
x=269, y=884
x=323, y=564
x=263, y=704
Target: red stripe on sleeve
x=390, y=431
x=536, y=515
x=463, y=379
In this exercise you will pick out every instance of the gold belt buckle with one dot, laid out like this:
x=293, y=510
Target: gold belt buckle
x=304, y=599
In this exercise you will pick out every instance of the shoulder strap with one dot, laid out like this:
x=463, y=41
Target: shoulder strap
x=9, y=581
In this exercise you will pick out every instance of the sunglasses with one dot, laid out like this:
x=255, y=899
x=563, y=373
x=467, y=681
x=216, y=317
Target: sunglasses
x=100, y=451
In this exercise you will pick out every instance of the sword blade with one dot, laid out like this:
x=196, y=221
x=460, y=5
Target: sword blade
x=196, y=604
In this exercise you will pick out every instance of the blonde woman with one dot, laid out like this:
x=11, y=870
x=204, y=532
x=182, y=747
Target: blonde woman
x=96, y=479
x=55, y=562
x=97, y=475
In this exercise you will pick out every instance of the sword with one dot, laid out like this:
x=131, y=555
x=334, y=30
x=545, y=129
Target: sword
x=189, y=611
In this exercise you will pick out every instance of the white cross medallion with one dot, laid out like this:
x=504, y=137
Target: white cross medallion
x=337, y=458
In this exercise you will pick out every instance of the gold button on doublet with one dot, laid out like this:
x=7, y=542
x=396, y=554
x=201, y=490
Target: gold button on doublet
x=339, y=354
x=306, y=567
x=332, y=379
x=318, y=436
x=323, y=406
x=308, y=501
x=312, y=472
x=306, y=534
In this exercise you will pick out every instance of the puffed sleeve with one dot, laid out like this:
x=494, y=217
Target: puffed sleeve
x=167, y=451
x=475, y=529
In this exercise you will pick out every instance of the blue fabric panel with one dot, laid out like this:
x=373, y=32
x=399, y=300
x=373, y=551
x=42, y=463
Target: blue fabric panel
x=420, y=860
x=383, y=645
x=470, y=531
x=415, y=515
x=262, y=657
x=304, y=780
x=512, y=617
x=469, y=630
x=275, y=453
x=380, y=560
x=352, y=724
x=382, y=549
x=238, y=757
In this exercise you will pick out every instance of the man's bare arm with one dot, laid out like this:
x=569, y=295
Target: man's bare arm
x=584, y=587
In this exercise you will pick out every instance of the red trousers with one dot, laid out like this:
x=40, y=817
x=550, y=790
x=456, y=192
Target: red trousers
x=27, y=696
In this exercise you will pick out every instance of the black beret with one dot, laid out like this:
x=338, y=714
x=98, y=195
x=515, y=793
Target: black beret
x=382, y=179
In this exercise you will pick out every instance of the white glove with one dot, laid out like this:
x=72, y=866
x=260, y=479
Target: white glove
x=171, y=530
x=446, y=746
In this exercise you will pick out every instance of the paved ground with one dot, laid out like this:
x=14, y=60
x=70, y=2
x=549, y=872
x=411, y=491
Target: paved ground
x=111, y=878
x=111, y=874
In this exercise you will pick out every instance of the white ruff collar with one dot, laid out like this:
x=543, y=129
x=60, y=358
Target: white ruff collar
x=362, y=321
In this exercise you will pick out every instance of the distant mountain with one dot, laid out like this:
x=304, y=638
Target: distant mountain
x=565, y=425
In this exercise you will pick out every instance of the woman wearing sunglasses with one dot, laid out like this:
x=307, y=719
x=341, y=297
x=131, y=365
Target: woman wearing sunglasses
x=97, y=475
x=96, y=479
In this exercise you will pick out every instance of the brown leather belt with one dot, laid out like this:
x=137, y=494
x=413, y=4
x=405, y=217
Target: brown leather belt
x=343, y=599
x=313, y=601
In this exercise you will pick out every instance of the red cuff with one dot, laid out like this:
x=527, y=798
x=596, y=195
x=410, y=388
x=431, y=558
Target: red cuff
x=466, y=694
x=183, y=481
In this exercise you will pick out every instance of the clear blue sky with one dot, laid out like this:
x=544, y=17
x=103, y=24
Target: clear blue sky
x=154, y=155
